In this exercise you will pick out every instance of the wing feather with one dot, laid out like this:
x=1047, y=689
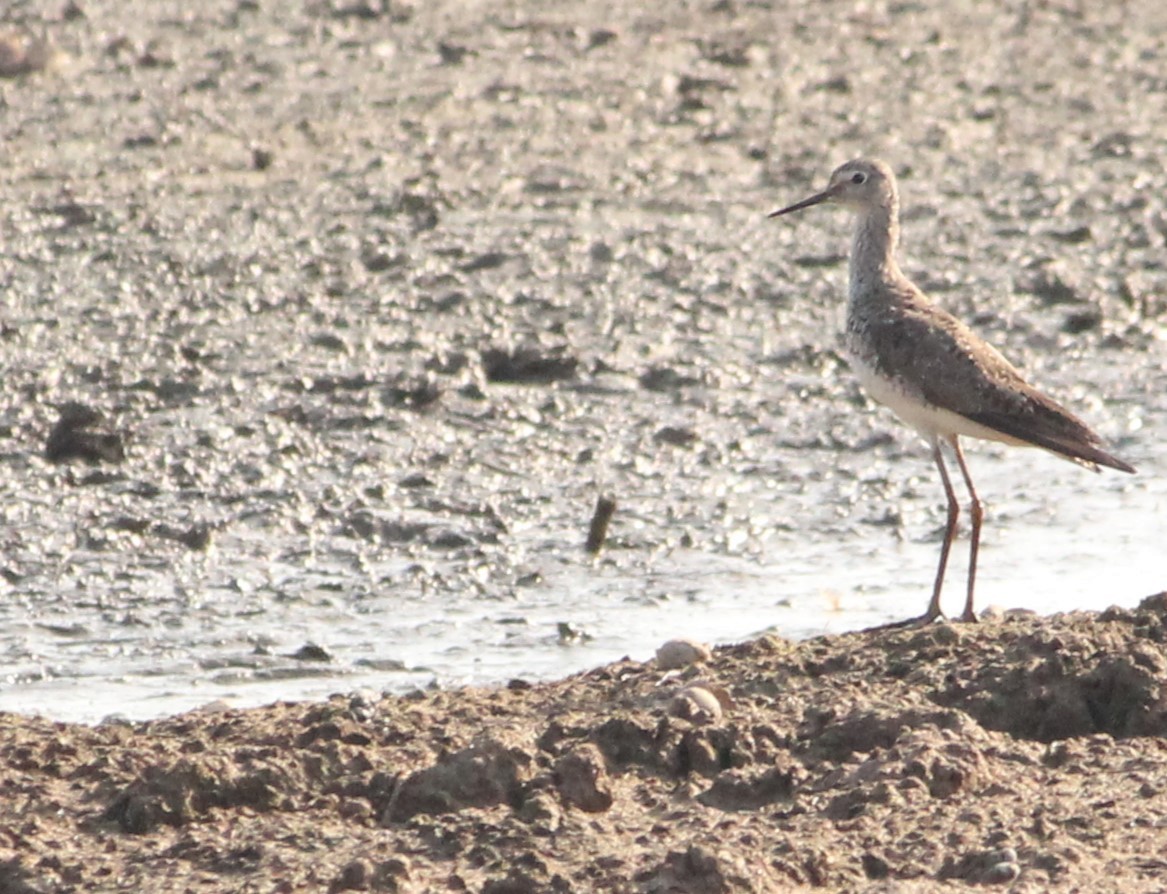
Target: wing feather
x=951, y=367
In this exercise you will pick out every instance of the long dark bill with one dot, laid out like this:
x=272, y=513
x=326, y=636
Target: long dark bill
x=805, y=203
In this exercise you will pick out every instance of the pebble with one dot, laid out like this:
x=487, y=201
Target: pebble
x=1001, y=873
x=681, y=653
x=697, y=704
x=362, y=705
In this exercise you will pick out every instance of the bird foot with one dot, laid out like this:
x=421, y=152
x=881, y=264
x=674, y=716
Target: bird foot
x=910, y=624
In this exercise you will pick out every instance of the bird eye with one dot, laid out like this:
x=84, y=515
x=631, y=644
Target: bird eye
x=858, y=177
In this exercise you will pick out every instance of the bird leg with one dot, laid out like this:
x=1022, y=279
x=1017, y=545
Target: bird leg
x=949, y=531
x=978, y=514
x=977, y=511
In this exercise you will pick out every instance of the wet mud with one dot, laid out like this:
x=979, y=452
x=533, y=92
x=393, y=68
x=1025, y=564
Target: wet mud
x=375, y=301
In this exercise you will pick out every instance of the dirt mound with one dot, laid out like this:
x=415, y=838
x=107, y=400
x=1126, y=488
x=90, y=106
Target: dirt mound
x=847, y=763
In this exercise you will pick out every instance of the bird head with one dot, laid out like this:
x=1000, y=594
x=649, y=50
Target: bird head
x=859, y=184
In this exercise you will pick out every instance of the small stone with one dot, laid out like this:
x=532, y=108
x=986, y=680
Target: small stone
x=311, y=652
x=1001, y=873
x=681, y=653
x=696, y=704
x=676, y=436
x=992, y=612
x=993, y=867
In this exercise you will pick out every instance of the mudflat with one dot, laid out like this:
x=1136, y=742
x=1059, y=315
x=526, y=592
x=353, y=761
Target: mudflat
x=332, y=312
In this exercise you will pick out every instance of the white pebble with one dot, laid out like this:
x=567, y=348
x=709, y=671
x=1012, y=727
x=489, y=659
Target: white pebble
x=681, y=653
x=696, y=703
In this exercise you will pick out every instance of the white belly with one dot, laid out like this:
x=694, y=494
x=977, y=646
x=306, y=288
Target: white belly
x=930, y=420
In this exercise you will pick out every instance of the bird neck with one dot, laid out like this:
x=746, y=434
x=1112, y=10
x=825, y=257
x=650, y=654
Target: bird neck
x=873, y=261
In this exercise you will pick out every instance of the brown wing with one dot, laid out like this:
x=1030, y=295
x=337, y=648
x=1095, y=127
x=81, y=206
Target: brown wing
x=957, y=370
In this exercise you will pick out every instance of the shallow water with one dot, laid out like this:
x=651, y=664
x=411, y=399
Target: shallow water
x=158, y=641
